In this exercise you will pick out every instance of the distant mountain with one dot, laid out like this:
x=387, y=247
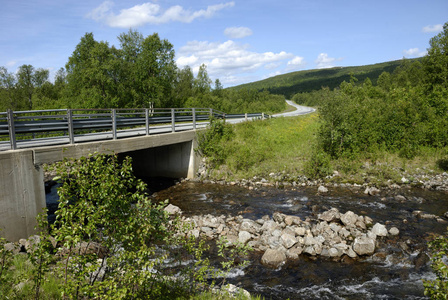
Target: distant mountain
x=310, y=80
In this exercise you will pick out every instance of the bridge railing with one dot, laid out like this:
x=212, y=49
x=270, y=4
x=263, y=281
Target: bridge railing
x=67, y=126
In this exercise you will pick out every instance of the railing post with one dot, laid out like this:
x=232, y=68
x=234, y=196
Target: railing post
x=71, y=131
x=173, y=120
x=262, y=116
x=147, y=120
x=12, y=129
x=193, y=112
x=211, y=113
x=114, y=124
x=245, y=117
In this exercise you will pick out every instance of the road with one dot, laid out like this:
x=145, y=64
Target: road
x=300, y=110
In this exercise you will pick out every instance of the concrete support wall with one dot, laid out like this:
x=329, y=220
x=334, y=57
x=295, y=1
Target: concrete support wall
x=22, y=194
x=172, y=161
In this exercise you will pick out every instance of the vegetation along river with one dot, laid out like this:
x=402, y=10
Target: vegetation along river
x=395, y=271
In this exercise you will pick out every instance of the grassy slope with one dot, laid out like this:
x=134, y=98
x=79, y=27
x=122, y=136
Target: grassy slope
x=283, y=145
x=309, y=80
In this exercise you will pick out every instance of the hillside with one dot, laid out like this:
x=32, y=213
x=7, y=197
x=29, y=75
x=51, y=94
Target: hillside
x=310, y=80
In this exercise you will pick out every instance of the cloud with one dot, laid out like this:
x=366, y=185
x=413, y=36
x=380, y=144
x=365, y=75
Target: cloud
x=237, y=32
x=433, y=28
x=297, y=62
x=229, y=60
x=414, y=52
x=323, y=61
x=150, y=13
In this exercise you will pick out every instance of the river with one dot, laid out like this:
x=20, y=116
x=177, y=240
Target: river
x=394, y=272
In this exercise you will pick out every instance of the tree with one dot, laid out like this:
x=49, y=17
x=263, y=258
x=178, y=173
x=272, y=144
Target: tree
x=436, y=62
x=8, y=89
x=202, y=83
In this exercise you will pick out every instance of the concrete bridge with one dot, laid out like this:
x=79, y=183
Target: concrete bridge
x=164, y=146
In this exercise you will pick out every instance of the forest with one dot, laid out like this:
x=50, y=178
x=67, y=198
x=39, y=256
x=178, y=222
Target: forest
x=142, y=70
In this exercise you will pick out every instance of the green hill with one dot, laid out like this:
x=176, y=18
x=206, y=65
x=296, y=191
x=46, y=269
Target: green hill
x=311, y=80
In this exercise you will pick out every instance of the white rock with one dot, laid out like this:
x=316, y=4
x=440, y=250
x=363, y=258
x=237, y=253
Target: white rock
x=379, y=230
x=322, y=190
x=394, y=231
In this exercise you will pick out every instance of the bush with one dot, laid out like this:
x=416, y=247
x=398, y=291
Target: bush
x=318, y=166
x=438, y=288
x=112, y=241
x=209, y=141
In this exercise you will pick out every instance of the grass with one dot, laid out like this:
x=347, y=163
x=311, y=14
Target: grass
x=285, y=144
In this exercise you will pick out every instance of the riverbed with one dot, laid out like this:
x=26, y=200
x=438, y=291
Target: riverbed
x=394, y=272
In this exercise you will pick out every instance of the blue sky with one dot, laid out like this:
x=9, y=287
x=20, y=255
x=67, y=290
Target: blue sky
x=240, y=41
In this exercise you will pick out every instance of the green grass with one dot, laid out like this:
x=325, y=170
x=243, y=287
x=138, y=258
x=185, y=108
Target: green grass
x=285, y=145
x=262, y=147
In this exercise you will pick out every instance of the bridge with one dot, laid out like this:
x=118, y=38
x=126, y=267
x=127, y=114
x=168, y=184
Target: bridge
x=160, y=141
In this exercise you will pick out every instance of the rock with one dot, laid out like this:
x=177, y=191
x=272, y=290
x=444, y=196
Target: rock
x=31, y=242
x=273, y=258
x=310, y=250
x=394, y=231
x=351, y=253
x=249, y=226
x=322, y=190
x=236, y=292
x=12, y=247
x=173, y=209
x=292, y=220
x=331, y=215
x=300, y=231
x=364, y=246
x=244, y=237
x=288, y=240
x=278, y=217
x=379, y=230
x=372, y=191
x=294, y=252
x=349, y=218
x=400, y=198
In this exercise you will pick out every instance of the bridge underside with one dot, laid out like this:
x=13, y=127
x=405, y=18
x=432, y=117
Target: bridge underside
x=22, y=192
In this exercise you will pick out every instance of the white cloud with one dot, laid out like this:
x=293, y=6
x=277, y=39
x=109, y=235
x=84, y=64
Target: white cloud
x=433, y=28
x=237, y=32
x=11, y=63
x=323, y=61
x=229, y=60
x=150, y=13
x=296, y=63
x=414, y=52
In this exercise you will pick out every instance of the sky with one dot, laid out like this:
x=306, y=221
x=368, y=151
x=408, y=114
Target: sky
x=240, y=41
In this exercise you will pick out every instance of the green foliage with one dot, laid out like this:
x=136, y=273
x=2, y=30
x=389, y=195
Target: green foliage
x=111, y=242
x=318, y=165
x=438, y=288
x=210, y=141
x=313, y=80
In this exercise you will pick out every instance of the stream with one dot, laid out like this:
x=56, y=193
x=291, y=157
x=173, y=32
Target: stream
x=395, y=271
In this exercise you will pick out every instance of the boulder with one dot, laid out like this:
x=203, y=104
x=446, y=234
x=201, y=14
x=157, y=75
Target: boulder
x=379, y=230
x=244, y=237
x=172, y=209
x=349, y=218
x=372, y=191
x=288, y=240
x=322, y=190
x=331, y=215
x=394, y=231
x=364, y=246
x=273, y=258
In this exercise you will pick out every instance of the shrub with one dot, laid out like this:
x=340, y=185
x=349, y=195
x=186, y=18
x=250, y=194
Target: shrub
x=209, y=141
x=438, y=288
x=318, y=166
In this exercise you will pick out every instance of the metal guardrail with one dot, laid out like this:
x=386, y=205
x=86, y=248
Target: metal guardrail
x=71, y=124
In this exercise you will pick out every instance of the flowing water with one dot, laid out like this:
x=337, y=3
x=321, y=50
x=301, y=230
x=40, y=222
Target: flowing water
x=394, y=272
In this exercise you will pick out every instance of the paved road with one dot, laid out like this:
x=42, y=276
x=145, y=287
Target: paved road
x=300, y=110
